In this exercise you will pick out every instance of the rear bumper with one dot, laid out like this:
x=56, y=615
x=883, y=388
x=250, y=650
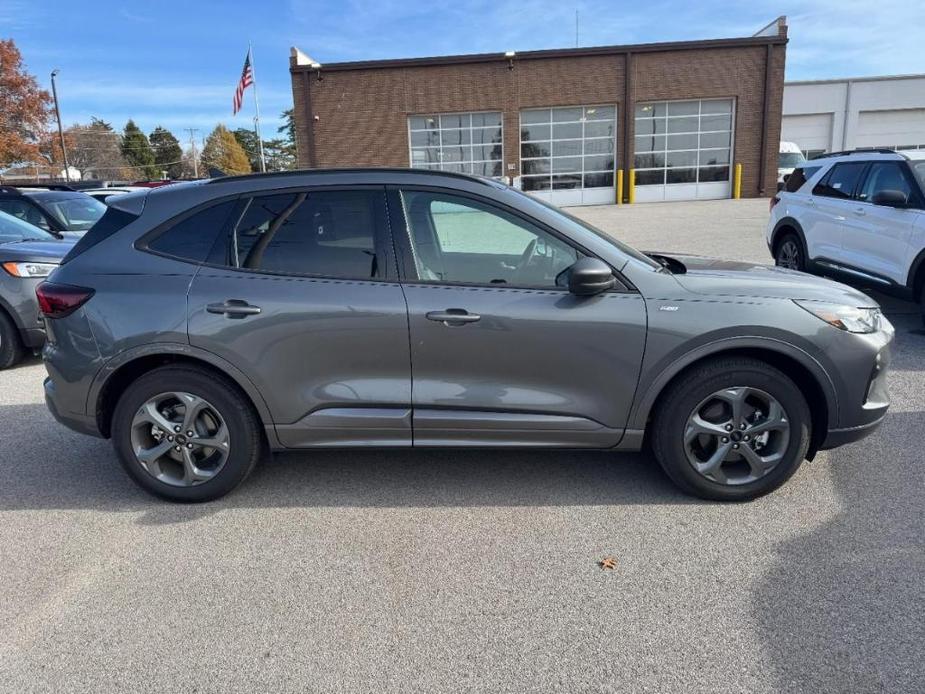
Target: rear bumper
x=82, y=424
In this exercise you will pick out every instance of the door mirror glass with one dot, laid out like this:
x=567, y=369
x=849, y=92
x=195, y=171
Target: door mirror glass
x=890, y=198
x=590, y=276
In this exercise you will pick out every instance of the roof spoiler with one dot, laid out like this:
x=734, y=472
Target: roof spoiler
x=133, y=203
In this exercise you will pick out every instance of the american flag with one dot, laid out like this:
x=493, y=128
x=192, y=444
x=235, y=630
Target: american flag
x=247, y=79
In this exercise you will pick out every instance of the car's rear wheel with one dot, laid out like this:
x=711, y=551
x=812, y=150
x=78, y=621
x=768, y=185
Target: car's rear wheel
x=186, y=435
x=731, y=430
x=11, y=347
x=789, y=253
x=922, y=302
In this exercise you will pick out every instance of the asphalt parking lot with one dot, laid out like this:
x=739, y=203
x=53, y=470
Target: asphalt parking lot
x=456, y=571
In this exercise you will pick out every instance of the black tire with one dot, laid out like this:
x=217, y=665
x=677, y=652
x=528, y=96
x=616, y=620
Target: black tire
x=244, y=430
x=683, y=397
x=789, y=253
x=922, y=302
x=11, y=348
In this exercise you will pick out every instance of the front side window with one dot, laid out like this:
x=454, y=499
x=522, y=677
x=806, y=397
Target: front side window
x=462, y=241
x=884, y=175
x=841, y=181
x=321, y=233
x=13, y=229
x=468, y=143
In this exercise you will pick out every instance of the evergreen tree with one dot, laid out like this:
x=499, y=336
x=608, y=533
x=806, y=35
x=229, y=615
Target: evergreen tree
x=167, y=152
x=137, y=151
x=223, y=152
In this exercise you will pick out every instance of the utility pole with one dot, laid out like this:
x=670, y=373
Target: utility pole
x=192, y=144
x=54, y=91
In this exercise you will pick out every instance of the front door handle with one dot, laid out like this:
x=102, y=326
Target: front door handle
x=453, y=316
x=234, y=308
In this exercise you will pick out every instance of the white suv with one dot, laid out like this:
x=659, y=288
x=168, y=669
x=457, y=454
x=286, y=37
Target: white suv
x=858, y=215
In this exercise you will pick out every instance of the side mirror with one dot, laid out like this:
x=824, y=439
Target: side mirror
x=890, y=198
x=590, y=276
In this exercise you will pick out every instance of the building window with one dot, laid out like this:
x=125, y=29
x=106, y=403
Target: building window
x=683, y=141
x=568, y=148
x=469, y=143
x=813, y=153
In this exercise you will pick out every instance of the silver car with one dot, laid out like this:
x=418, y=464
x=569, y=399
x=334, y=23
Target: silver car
x=201, y=325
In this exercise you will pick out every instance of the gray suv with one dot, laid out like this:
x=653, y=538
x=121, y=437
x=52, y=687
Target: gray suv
x=201, y=325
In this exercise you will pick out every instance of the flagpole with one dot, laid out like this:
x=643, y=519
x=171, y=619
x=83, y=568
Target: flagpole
x=263, y=161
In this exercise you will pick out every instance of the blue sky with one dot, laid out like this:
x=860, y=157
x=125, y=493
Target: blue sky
x=176, y=63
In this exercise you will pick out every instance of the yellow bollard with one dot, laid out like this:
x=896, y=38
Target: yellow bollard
x=619, y=186
x=631, y=193
x=737, y=182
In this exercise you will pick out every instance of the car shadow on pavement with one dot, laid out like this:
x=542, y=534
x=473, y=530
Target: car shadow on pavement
x=841, y=608
x=45, y=466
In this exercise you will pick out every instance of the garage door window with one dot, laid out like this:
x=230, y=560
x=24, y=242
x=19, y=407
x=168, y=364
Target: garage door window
x=567, y=148
x=683, y=141
x=460, y=142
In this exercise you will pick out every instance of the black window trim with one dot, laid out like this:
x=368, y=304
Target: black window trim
x=408, y=270
x=381, y=236
x=916, y=201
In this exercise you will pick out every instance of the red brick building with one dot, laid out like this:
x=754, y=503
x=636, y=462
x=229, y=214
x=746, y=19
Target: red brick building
x=559, y=123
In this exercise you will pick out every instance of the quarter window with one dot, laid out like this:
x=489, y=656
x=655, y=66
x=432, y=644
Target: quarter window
x=459, y=240
x=327, y=233
x=193, y=237
x=884, y=175
x=460, y=142
x=799, y=176
x=841, y=181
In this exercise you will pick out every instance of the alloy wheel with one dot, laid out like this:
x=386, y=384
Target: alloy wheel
x=180, y=439
x=736, y=435
x=789, y=255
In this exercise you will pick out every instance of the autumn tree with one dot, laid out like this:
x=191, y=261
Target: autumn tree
x=95, y=149
x=138, y=153
x=248, y=141
x=222, y=152
x=24, y=108
x=167, y=152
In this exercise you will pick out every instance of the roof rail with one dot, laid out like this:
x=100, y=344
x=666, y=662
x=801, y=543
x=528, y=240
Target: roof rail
x=45, y=186
x=870, y=150
x=10, y=190
x=358, y=169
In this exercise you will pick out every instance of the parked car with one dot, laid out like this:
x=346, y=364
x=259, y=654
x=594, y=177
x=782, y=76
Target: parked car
x=789, y=157
x=857, y=215
x=65, y=212
x=419, y=308
x=102, y=193
x=27, y=255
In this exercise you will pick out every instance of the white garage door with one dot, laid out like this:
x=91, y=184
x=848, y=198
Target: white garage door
x=812, y=132
x=902, y=129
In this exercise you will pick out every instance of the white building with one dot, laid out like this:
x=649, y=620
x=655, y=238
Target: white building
x=836, y=115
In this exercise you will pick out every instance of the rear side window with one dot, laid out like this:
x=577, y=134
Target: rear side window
x=321, y=233
x=112, y=221
x=800, y=176
x=192, y=237
x=841, y=181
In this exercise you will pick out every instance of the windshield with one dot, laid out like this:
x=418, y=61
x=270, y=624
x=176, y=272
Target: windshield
x=77, y=213
x=576, y=223
x=13, y=229
x=790, y=160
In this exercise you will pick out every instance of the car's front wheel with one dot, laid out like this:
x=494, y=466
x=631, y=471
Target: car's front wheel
x=731, y=430
x=789, y=253
x=186, y=435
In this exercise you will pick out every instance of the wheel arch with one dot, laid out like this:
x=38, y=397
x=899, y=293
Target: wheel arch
x=789, y=225
x=119, y=373
x=807, y=373
x=916, y=278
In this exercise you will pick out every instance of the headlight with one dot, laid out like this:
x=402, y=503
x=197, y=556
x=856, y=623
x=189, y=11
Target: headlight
x=849, y=318
x=29, y=269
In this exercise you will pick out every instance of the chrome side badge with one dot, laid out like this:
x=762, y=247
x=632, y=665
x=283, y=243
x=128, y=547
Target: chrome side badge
x=667, y=308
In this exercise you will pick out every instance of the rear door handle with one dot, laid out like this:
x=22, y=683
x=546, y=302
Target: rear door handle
x=860, y=211
x=234, y=308
x=453, y=316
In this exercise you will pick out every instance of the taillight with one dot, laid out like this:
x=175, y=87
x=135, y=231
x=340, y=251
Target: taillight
x=60, y=300
x=773, y=202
